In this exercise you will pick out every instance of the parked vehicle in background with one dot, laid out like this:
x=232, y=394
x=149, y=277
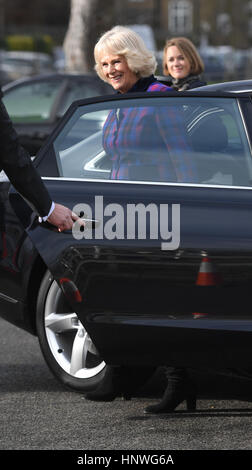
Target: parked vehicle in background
x=224, y=63
x=214, y=68
x=20, y=64
x=243, y=64
x=36, y=104
x=4, y=78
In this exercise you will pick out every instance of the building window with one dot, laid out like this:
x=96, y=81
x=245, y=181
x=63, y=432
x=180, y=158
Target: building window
x=180, y=16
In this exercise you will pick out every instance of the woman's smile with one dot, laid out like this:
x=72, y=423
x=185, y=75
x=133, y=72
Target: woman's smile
x=117, y=72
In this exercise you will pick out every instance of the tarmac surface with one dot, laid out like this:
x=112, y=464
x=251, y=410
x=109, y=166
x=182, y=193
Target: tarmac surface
x=37, y=413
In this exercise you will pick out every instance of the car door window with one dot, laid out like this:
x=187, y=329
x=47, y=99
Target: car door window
x=32, y=102
x=79, y=90
x=220, y=145
x=176, y=140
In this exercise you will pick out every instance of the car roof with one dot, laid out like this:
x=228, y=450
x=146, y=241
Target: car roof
x=236, y=86
x=239, y=86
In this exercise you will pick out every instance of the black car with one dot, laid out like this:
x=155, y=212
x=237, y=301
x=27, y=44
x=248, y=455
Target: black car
x=36, y=104
x=162, y=272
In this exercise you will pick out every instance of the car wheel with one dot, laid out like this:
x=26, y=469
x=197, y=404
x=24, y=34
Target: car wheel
x=65, y=344
x=68, y=349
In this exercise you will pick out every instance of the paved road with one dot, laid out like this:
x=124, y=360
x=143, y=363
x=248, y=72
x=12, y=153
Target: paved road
x=37, y=413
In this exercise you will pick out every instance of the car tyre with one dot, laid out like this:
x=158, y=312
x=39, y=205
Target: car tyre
x=68, y=349
x=66, y=346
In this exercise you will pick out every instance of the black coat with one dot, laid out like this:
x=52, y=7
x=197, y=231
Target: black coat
x=17, y=164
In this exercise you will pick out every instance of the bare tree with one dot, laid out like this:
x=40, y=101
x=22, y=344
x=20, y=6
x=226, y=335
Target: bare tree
x=76, y=43
x=88, y=19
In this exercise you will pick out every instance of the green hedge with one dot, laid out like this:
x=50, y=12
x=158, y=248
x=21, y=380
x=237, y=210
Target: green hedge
x=28, y=43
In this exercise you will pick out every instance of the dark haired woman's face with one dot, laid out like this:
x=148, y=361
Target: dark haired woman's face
x=177, y=64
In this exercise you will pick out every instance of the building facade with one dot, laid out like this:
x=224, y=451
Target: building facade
x=213, y=22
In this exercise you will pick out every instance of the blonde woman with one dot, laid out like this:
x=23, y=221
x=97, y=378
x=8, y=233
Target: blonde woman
x=123, y=61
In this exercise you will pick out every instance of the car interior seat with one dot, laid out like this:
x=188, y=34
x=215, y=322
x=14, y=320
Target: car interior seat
x=214, y=161
x=210, y=135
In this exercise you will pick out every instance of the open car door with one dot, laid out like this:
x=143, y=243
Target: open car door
x=131, y=275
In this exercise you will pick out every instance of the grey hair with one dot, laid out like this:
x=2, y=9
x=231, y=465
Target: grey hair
x=125, y=42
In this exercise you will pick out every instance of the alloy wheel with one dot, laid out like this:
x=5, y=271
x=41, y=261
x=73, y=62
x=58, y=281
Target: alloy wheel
x=69, y=342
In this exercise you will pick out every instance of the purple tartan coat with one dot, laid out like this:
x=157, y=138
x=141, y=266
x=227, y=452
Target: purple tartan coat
x=148, y=143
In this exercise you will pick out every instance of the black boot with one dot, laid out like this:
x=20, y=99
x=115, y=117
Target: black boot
x=178, y=389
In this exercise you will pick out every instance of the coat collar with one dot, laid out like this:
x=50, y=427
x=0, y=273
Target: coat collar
x=142, y=84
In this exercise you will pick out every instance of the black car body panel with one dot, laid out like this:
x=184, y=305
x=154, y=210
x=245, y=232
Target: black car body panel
x=241, y=86
x=139, y=303
x=123, y=284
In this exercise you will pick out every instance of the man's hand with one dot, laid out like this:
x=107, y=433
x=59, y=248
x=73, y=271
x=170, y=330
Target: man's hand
x=62, y=217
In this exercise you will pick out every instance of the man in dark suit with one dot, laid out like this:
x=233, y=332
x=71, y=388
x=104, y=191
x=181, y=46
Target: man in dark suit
x=17, y=165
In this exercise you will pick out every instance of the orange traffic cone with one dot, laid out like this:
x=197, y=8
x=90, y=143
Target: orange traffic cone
x=207, y=276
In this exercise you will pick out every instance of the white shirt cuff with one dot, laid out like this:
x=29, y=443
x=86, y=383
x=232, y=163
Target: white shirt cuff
x=43, y=219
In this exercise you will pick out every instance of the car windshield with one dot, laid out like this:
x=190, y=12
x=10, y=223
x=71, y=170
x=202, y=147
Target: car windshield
x=199, y=140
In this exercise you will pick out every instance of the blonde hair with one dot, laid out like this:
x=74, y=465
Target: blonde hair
x=125, y=42
x=187, y=48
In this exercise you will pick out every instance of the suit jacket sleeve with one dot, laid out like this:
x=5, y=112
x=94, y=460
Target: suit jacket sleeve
x=17, y=164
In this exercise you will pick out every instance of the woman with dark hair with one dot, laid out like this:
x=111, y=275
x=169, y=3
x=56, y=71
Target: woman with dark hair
x=183, y=64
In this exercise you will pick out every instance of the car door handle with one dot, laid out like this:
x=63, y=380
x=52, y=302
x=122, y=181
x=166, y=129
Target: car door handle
x=90, y=223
